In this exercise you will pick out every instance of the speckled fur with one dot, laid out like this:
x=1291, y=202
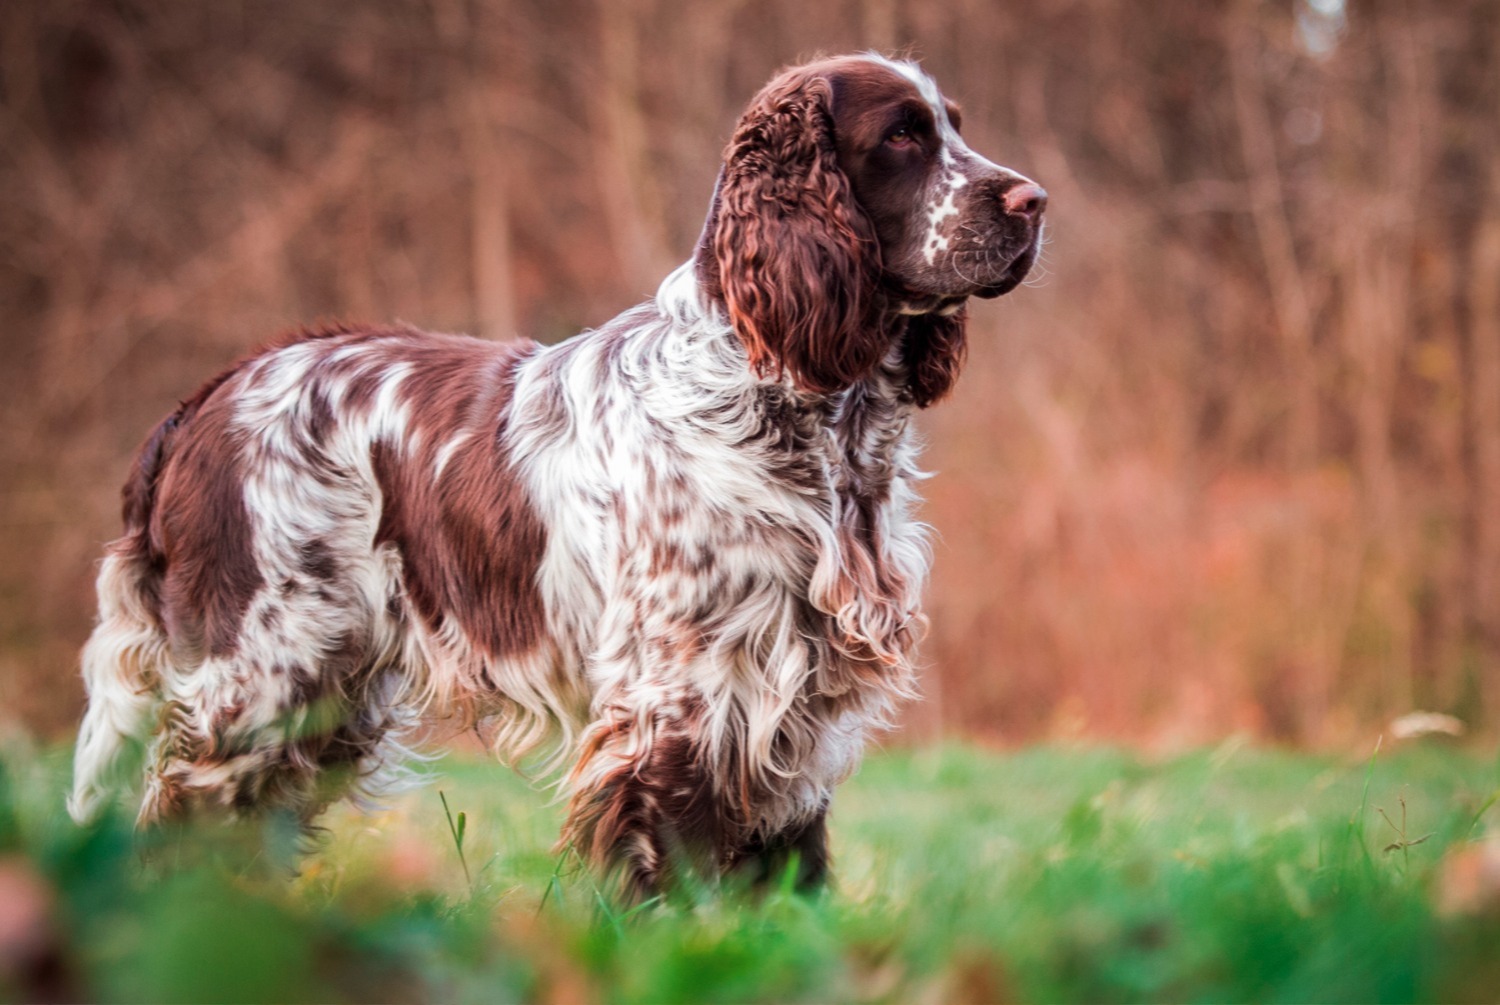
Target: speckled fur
x=677, y=553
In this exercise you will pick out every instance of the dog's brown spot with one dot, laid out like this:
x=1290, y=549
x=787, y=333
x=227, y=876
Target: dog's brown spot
x=141, y=542
x=320, y=418
x=469, y=537
x=316, y=559
x=201, y=530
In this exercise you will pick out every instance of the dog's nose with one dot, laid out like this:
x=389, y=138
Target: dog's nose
x=1027, y=199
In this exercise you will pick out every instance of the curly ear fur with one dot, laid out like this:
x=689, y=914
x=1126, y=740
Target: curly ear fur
x=798, y=261
x=934, y=350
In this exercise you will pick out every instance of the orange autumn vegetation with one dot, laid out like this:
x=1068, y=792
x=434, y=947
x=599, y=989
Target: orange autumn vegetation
x=1231, y=463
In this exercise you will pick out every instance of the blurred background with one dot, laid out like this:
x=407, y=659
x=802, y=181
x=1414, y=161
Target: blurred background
x=1229, y=464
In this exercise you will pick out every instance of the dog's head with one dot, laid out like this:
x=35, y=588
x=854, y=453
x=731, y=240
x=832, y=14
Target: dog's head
x=851, y=213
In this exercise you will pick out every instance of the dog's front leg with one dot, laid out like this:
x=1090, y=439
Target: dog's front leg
x=765, y=860
x=644, y=806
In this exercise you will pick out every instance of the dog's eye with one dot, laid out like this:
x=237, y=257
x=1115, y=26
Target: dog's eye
x=900, y=138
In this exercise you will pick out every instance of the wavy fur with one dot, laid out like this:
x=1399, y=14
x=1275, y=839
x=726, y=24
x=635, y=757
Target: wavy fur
x=677, y=554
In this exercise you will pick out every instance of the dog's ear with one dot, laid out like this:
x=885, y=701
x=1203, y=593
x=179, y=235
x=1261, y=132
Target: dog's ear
x=791, y=253
x=933, y=349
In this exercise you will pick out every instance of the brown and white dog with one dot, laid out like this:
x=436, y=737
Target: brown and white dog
x=678, y=549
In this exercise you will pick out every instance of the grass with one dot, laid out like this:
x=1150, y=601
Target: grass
x=1235, y=874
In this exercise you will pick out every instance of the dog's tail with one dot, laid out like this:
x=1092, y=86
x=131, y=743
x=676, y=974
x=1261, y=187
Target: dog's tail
x=124, y=657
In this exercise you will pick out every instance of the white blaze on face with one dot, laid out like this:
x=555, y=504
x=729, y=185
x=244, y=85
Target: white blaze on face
x=958, y=162
x=942, y=206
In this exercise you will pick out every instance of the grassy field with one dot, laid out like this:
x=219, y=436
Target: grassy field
x=1046, y=875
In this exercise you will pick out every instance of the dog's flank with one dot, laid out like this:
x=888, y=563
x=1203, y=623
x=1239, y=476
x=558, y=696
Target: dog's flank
x=678, y=552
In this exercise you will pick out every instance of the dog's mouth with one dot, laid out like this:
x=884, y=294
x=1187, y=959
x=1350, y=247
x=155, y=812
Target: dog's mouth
x=1015, y=274
x=974, y=272
x=987, y=262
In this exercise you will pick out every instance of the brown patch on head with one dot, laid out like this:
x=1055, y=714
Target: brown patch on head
x=871, y=100
x=469, y=537
x=874, y=105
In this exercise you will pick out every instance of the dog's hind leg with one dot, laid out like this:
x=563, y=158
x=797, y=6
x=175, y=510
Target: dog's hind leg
x=245, y=737
x=123, y=664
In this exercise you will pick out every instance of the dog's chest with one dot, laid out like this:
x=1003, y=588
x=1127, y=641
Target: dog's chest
x=693, y=513
x=759, y=502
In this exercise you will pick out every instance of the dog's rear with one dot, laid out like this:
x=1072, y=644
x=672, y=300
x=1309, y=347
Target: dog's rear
x=124, y=658
x=171, y=685
x=258, y=627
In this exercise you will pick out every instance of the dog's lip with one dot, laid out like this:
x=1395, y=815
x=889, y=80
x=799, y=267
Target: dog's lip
x=991, y=292
x=922, y=300
x=1015, y=274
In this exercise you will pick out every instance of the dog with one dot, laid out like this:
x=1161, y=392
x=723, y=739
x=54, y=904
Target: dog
x=677, y=551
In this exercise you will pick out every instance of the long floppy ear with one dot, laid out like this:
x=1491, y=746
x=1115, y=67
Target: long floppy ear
x=797, y=260
x=933, y=350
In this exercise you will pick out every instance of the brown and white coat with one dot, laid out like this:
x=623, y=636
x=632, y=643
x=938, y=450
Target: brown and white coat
x=677, y=552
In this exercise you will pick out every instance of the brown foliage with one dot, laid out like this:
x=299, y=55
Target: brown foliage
x=1232, y=463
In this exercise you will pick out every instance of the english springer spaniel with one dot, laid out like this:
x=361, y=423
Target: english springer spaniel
x=678, y=551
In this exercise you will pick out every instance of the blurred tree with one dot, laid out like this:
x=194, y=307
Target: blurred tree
x=1232, y=462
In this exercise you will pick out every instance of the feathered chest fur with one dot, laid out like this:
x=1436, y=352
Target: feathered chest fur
x=722, y=507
